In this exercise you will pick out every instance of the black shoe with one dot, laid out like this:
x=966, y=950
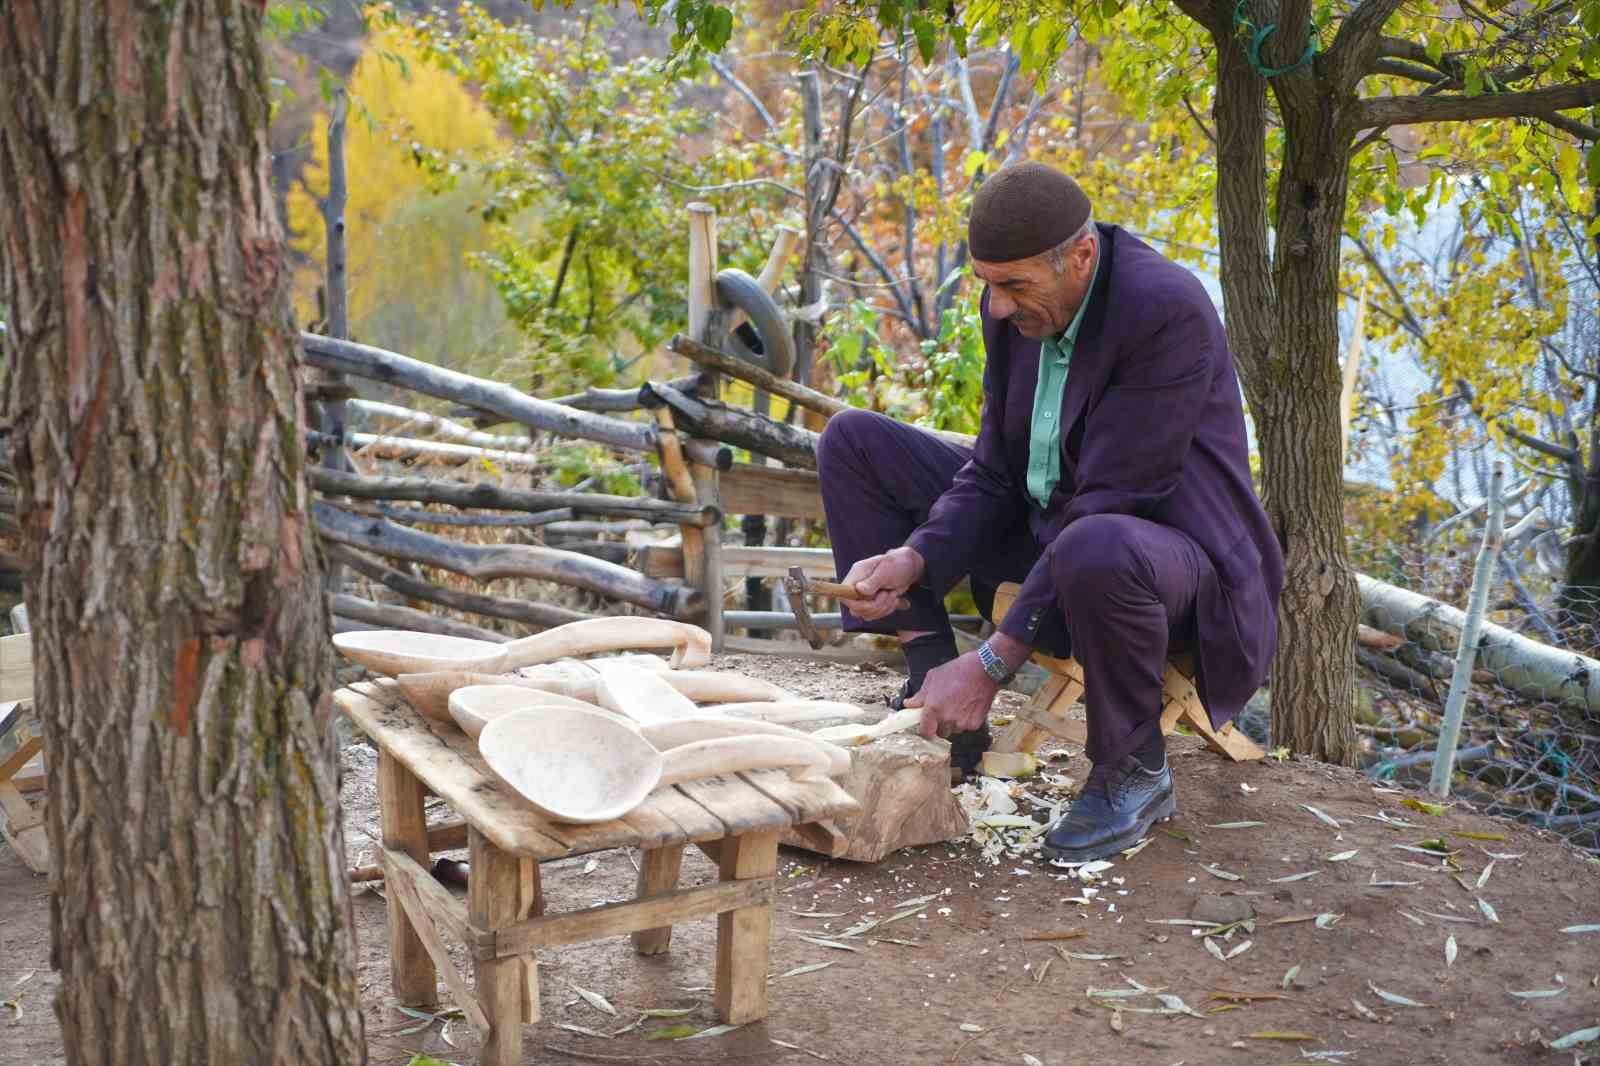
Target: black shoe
x=966, y=748
x=1115, y=810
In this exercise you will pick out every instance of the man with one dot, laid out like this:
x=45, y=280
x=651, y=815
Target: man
x=1110, y=477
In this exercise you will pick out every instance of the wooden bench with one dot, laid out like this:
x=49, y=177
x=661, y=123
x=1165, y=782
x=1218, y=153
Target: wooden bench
x=736, y=820
x=21, y=751
x=1045, y=715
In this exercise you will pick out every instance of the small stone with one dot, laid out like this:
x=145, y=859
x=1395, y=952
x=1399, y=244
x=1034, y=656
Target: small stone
x=1222, y=910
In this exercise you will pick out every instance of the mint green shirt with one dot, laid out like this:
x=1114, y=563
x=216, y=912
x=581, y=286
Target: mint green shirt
x=1044, y=440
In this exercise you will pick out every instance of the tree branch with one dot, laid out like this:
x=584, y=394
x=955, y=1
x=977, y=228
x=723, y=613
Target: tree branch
x=1358, y=41
x=726, y=73
x=1543, y=447
x=1198, y=121
x=1399, y=68
x=1531, y=103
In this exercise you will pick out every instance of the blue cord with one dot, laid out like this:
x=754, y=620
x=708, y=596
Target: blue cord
x=1259, y=37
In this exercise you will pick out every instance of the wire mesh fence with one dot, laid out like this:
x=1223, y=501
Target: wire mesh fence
x=1529, y=746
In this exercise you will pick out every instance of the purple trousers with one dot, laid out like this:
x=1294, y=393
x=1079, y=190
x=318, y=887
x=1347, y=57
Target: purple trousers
x=1125, y=586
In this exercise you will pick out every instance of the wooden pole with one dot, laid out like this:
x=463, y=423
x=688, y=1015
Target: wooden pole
x=331, y=414
x=1467, y=651
x=703, y=326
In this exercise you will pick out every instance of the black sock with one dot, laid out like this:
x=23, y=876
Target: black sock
x=1152, y=754
x=924, y=653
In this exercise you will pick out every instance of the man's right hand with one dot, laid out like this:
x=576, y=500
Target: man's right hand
x=885, y=579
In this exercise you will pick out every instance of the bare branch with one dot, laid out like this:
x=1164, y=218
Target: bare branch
x=1398, y=68
x=726, y=73
x=1198, y=121
x=1531, y=103
x=1581, y=130
x=1409, y=320
x=1543, y=447
x=877, y=264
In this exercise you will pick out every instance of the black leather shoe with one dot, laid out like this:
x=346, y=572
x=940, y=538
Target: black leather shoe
x=1115, y=810
x=966, y=748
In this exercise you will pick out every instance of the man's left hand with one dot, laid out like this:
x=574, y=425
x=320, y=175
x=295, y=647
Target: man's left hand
x=955, y=697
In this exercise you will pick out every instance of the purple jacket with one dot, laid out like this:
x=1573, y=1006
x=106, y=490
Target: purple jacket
x=1153, y=427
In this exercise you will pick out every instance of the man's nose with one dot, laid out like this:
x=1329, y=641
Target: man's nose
x=1000, y=306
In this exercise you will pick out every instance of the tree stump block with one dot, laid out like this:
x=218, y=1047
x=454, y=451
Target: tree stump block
x=902, y=783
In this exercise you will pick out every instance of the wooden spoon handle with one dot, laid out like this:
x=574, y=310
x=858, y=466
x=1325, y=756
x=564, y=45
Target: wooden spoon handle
x=849, y=735
x=691, y=645
x=708, y=758
x=675, y=734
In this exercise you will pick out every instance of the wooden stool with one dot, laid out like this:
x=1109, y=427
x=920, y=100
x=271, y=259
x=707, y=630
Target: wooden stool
x=21, y=751
x=736, y=820
x=1046, y=713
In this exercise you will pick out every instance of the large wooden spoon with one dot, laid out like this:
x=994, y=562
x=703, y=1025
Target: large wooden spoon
x=398, y=651
x=475, y=706
x=578, y=766
x=640, y=694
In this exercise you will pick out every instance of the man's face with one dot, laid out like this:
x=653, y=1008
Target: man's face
x=1037, y=299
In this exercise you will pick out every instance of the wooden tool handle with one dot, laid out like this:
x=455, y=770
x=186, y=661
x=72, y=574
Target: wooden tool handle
x=843, y=592
x=708, y=758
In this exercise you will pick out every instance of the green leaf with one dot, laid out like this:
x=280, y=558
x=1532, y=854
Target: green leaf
x=716, y=26
x=673, y=1032
x=426, y=1060
x=974, y=160
x=927, y=35
x=1434, y=48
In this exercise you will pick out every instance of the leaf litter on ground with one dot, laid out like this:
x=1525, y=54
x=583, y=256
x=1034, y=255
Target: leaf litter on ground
x=1323, y=816
x=1391, y=997
x=596, y=1000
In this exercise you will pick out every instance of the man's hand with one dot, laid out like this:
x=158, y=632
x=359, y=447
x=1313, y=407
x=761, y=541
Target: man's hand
x=955, y=697
x=885, y=579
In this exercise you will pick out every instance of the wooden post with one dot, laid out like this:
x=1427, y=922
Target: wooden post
x=405, y=828
x=330, y=408
x=530, y=904
x=703, y=325
x=658, y=873
x=739, y=989
x=494, y=899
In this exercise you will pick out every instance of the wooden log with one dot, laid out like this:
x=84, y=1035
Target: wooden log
x=617, y=401
x=655, y=911
x=682, y=487
x=666, y=561
x=744, y=936
x=708, y=492
x=407, y=418
x=1526, y=667
x=444, y=453
x=750, y=489
x=708, y=453
x=717, y=421
x=533, y=614
x=392, y=368
x=482, y=495
x=597, y=529
x=486, y=562
x=405, y=829
x=760, y=377
x=395, y=616
x=612, y=551
x=902, y=783
x=421, y=516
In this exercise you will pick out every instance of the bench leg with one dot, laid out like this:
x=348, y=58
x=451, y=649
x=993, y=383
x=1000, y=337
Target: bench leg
x=530, y=904
x=744, y=936
x=494, y=899
x=658, y=873
x=405, y=828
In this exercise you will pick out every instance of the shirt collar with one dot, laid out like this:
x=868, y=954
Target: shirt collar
x=1069, y=336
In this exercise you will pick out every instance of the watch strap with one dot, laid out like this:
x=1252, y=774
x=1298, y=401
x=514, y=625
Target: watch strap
x=993, y=665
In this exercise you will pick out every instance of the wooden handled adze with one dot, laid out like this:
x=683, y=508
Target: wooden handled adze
x=799, y=586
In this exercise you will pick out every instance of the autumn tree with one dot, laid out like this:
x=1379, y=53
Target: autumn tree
x=1296, y=93
x=153, y=396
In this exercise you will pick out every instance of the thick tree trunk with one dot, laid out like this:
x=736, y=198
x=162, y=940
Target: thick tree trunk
x=199, y=910
x=1282, y=326
x=1580, y=584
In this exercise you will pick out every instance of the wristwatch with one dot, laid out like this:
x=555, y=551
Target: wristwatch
x=993, y=665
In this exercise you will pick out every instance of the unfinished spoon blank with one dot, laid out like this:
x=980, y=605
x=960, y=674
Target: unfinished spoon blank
x=677, y=732
x=851, y=735
x=475, y=706
x=639, y=694
x=582, y=767
x=793, y=712
x=398, y=651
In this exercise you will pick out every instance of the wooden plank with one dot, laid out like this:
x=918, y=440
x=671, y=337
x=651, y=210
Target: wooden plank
x=658, y=874
x=1073, y=732
x=740, y=807
x=748, y=489
x=31, y=778
x=16, y=667
x=666, y=561
x=448, y=762
x=403, y=888
x=1023, y=734
x=744, y=936
x=694, y=821
x=809, y=800
x=618, y=919
x=23, y=828
x=405, y=829
x=21, y=740
x=493, y=900
x=19, y=814
x=434, y=897
x=530, y=904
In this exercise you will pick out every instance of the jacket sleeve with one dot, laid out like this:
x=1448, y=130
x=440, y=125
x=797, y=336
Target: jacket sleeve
x=1135, y=445
x=983, y=502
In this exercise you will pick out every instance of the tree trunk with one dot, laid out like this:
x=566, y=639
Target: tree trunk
x=199, y=912
x=1283, y=329
x=1580, y=584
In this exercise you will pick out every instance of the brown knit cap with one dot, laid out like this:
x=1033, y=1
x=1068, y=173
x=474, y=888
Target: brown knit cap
x=1022, y=211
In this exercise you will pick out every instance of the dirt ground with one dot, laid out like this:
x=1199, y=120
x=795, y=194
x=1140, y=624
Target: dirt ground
x=961, y=979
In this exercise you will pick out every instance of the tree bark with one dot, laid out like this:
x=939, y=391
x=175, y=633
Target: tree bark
x=199, y=912
x=1283, y=329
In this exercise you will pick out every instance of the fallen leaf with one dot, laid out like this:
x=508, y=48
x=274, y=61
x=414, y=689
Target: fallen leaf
x=595, y=1000
x=1218, y=872
x=1595, y=928
x=1247, y=789
x=1176, y=1003
x=672, y=1032
x=1538, y=993
x=1327, y=920
x=1483, y=878
x=1029, y=1060
x=1290, y=974
x=1423, y=806
x=1374, y=882
x=1245, y=997
x=1086, y=956
x=818, y=914
x=591, y=866
x=796, y=972
x=1128, y=853
x=1363, y=1010
x=1410, y=917
x=821, y=943
x=1290, y=919
x=1057, y=934
x=683, y=1012
x=1449, y=917
x=1235, y=825
x=1240, y=950
x=1292, y=877
x=968, y=1027
x=1038, y=975
x=1276, y=1034
x=569, y=1027
x=1178, y=834
x=1477, y=836
x=1216, y=952
x=1450, y=950
x=802, y=1050
x=1116, y=1021
x=1323, y=817
x=1576, y=1038
x=1488, y=911
x=1390, y=997
x=1343, y=855
x=715, y=1030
